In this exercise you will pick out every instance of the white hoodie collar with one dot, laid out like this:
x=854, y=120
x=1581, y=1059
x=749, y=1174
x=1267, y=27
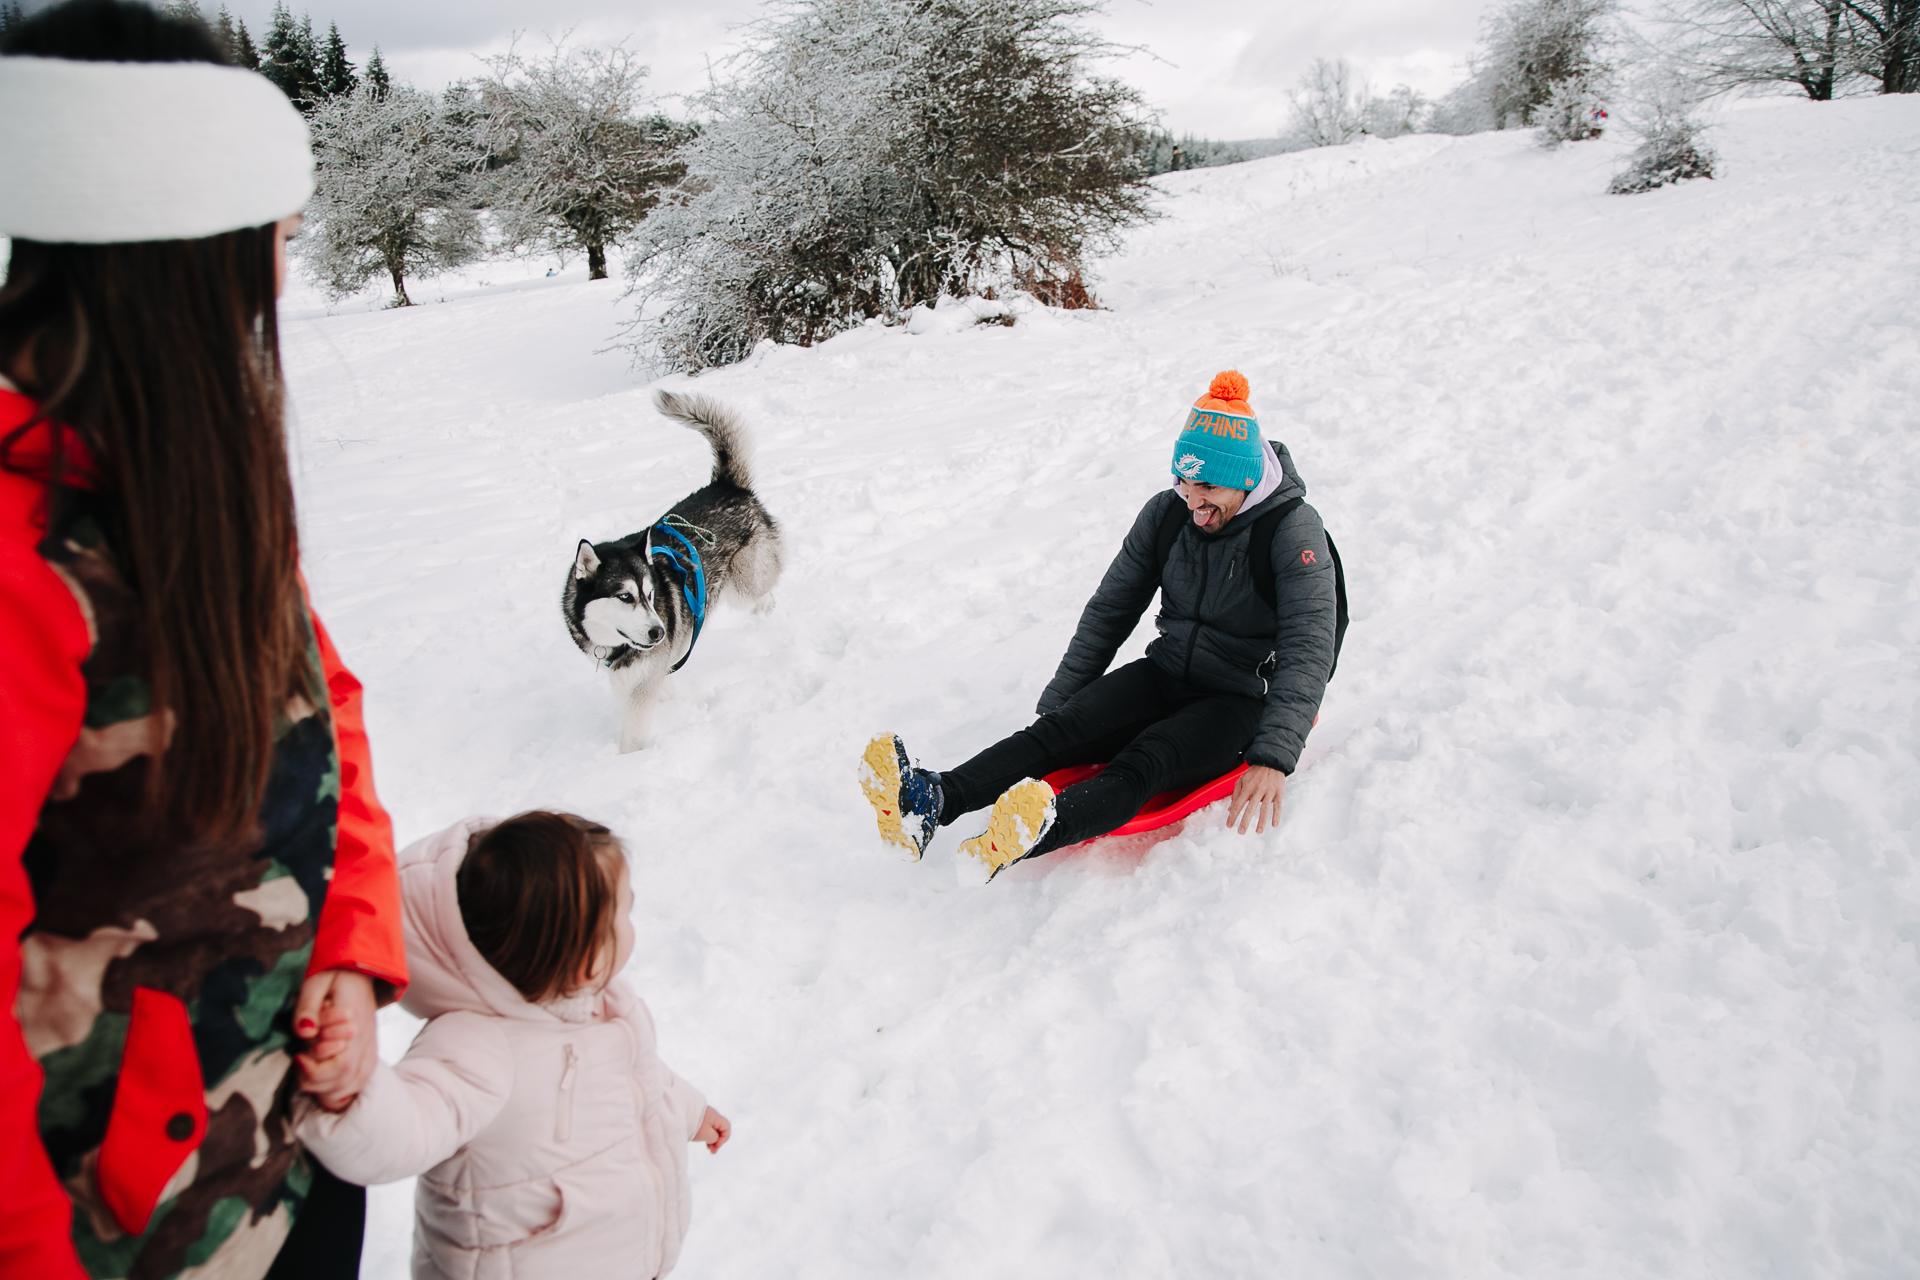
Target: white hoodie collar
x=1272, y=475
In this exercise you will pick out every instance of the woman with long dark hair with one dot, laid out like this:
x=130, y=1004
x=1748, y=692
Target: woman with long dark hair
x=198, y=907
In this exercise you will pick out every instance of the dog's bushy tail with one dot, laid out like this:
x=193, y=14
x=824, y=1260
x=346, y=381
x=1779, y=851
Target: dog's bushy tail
x=732, y=450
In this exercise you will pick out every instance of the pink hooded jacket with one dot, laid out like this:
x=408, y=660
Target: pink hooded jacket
x=550, y=1139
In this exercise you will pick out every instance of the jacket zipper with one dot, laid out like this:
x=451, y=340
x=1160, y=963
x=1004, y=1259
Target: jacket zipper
x=1193, y=636
x=563, y=1122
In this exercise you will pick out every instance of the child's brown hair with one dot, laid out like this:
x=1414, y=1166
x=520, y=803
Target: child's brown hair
x=539, y=896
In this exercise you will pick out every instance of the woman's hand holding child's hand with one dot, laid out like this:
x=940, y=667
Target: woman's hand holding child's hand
x=715, y=1129
x=335, y=1017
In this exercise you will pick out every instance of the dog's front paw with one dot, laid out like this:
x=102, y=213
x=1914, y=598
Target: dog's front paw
x=764, y=604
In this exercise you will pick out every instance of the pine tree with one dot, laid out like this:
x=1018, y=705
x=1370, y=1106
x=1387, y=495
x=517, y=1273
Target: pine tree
x=244, y=52
x=10, y=16
x=336, y=73
x=377, y=78
x=223, y=32
x=288, y=58
x=307, y=51
x=183, y=11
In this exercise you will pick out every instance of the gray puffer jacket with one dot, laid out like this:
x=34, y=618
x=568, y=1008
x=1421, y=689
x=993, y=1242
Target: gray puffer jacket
x=1215, y=630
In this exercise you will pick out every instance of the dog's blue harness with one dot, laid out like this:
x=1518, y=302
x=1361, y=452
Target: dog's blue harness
x=683, y=560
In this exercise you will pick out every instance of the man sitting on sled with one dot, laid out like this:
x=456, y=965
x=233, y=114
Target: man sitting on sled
x=1236, y=672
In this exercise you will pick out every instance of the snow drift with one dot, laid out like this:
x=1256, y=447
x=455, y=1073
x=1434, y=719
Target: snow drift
x=1586, y=946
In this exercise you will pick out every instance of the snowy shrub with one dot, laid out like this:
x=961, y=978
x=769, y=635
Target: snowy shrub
x=393, y=178
x=1670, y=148
x=868, y=155
x=1573, y=112
x=577, y=160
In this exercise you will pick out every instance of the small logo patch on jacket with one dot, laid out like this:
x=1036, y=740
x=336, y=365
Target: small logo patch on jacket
x=1307, y=557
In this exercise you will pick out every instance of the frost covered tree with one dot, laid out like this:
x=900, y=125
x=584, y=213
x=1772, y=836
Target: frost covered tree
x=1731, y=44
x=1401, y=111
x=1528, y=48
x=392, y=193
x=1885, y=44
x=11, y=15
x=1329, y=105
x=579, y=158
x=868, y=155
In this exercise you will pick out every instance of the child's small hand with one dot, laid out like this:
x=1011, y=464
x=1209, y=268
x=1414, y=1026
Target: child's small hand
x=335, y=1017
x=715, y=1129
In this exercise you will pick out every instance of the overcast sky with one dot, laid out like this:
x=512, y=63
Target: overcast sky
x=1220, y=68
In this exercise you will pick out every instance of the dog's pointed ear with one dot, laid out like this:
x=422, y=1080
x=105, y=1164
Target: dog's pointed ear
x=585, y=562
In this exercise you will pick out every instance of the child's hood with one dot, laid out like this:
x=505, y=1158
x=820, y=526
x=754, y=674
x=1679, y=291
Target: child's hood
x=449, y=973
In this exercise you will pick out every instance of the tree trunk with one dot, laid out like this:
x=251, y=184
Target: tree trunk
x=596, y=262
x=1903, y=48
x=400, y=298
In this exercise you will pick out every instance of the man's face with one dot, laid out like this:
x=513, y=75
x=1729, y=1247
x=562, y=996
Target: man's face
x=1211, y=505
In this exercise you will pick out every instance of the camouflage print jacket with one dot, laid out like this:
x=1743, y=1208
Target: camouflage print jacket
x=155, y=976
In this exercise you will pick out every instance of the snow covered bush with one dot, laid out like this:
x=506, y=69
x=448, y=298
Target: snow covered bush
x=1670, y=147
x=393, y=184
x=868, y=155
x=1573, y=112
x=577, y=158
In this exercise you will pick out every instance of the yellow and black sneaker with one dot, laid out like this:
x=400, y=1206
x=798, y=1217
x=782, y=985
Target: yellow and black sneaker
x=1021, y=817
x=906, y=800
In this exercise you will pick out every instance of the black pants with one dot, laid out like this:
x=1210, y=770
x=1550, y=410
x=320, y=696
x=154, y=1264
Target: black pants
x=1153, y=732
x=325, y=1241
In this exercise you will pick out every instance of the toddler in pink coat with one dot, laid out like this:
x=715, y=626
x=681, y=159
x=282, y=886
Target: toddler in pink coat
x=549, y=1138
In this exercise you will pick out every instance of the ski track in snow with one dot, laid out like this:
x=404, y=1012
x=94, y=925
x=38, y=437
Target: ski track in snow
x=1586, y=946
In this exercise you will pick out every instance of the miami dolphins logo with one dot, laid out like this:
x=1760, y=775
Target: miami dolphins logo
x=1189, y=465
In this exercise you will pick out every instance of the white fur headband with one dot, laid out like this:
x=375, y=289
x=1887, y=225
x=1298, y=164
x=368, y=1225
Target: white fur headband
x=108, y=152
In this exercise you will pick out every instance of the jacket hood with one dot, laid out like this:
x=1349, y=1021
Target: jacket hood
x=449, y=973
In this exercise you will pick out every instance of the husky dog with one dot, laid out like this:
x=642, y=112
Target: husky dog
x=636, y=604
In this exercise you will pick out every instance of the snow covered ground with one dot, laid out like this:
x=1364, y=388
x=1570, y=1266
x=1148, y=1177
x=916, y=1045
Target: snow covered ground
x=1587, y=945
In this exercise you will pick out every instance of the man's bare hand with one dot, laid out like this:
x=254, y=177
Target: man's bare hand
x=1257, y=794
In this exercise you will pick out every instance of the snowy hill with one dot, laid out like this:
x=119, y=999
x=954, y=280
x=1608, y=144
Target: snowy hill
x=1587, y=945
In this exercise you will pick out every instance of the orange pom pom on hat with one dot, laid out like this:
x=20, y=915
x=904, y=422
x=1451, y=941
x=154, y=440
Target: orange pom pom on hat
x=1220, y=445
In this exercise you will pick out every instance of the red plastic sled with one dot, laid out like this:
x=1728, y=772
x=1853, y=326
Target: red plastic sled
x=1165, y=808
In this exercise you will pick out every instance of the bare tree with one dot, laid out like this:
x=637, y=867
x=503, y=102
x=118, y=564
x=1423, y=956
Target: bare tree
x=392, y=190
x=1730, y=44
x=579, y=158
x=1886, y=42
x=1330, y=105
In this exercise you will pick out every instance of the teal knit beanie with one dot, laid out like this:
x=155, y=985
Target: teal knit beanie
x=1220, y=445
